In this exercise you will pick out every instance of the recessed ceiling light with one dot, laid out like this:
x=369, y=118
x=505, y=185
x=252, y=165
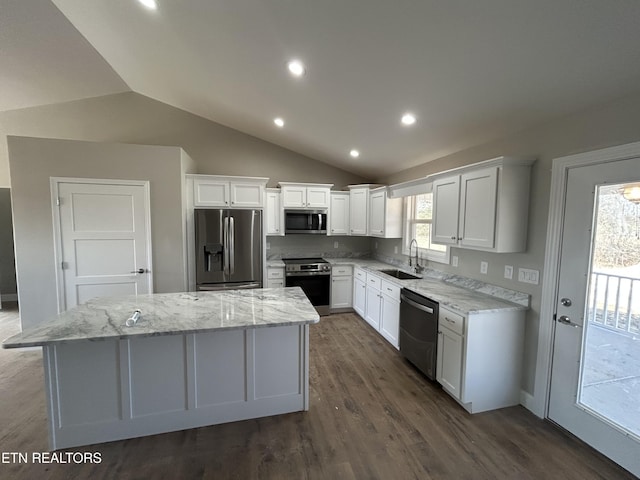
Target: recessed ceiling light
x=150, y=4
x=354, y=153
x=279, y=122
x=296, y=67
x=408, y=119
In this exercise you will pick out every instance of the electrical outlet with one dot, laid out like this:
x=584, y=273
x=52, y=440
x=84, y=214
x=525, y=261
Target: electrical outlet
x=335, y=244
x=526, y=275
x=268, y=245
x=375, y=244
x=454, y=260
x=484, y=267
x=395, y=249
x=508, y=271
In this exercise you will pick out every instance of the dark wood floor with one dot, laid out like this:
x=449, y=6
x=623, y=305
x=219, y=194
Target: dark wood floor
x=371, y=416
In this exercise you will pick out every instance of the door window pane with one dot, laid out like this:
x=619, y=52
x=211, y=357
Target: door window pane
x=610, y=376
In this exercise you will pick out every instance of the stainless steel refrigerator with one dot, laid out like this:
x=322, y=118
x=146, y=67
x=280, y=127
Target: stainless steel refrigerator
x=228, y=249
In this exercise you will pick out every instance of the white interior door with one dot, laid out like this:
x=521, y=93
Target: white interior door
x=104, y=240
x=577, y=359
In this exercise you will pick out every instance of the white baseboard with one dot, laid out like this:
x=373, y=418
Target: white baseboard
x=9, y=297
x=528, y=401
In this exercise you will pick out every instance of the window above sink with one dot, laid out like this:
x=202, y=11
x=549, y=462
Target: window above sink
x=417, y=224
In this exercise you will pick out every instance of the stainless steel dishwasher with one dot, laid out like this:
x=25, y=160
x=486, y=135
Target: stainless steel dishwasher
x=419, y=331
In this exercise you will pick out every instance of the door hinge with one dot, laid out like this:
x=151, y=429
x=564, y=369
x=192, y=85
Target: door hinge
x=555, y=316
x=58, y=202
x=64, y=265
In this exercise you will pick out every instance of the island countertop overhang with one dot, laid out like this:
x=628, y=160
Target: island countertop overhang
x=171, y=314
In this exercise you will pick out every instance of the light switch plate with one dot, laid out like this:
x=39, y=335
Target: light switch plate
x=268, y=245
x=508, y=272
x=526, y=275
x=454, y=260
x=395, y=249
x=484, y=267
x=335, y=244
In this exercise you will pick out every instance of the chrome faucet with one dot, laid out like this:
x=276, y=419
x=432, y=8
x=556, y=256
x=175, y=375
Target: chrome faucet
x=418, y=268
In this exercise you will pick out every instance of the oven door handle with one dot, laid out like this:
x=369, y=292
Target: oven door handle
x=424, y=308
x=306, y=274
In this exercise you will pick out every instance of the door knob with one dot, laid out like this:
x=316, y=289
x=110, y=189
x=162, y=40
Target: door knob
x=140, y=271
x=566, y=302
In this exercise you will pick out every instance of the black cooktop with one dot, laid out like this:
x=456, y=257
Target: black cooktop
x=303, y=261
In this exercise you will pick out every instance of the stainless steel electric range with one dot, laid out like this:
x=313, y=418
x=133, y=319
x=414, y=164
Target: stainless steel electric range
x=313, y=275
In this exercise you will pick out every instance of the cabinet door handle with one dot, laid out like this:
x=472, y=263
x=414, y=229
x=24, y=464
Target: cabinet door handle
x=453, y=238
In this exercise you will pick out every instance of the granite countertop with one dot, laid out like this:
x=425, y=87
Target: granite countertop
x=275, y=263
x=463, y=295
x=172, y=313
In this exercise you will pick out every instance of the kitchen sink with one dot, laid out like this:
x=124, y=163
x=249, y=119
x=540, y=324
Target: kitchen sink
x=399, y=274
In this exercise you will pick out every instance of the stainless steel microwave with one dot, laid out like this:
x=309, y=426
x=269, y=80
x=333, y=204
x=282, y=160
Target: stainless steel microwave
x=305, y=221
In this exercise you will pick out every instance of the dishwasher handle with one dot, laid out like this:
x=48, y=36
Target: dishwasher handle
x=424, y=308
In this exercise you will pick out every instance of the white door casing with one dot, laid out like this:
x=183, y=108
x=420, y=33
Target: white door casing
x=566, y=273
x=102, y=232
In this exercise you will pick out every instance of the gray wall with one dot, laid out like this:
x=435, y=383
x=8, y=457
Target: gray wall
x=615, y=123
x=7, y=260
x=133, y=118
x=33, y=161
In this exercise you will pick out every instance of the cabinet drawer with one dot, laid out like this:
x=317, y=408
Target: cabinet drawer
x=451, y=320
x=276, y=283
x=361, y=274
x=275, y=272
x=391, y=289
x=342, y=271
x=374, y=281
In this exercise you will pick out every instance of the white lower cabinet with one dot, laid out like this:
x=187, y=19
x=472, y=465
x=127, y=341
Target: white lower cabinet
x=373, y=307
x=449, y=361
x=341, y=287
x=479, y=358
x=359, y=296
x=390, y=319
x=359, y=291
x=275, y=277
x=378, y=302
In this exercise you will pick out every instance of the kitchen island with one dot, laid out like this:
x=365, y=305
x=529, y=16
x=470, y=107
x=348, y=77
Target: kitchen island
x=190, y=360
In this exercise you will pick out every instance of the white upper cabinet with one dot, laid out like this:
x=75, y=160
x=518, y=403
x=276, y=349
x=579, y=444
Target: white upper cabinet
x=385, y=214
x=477, y=223
x=273, y=213
x=358, y=209
x=305, y=195
x=319, y=197
x=339, y=214
x=211, y=193
x=446, y=194
x=483, y=207
x=228, y=192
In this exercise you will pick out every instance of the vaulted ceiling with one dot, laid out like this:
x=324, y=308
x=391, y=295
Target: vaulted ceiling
x=469, y=70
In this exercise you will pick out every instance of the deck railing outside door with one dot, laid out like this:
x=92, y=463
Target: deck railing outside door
x=612, y=303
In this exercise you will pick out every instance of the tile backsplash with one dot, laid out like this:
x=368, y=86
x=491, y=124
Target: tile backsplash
x=293, y=246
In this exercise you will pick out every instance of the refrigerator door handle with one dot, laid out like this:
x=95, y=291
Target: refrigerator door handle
x=225, y=239
x=232, y=245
